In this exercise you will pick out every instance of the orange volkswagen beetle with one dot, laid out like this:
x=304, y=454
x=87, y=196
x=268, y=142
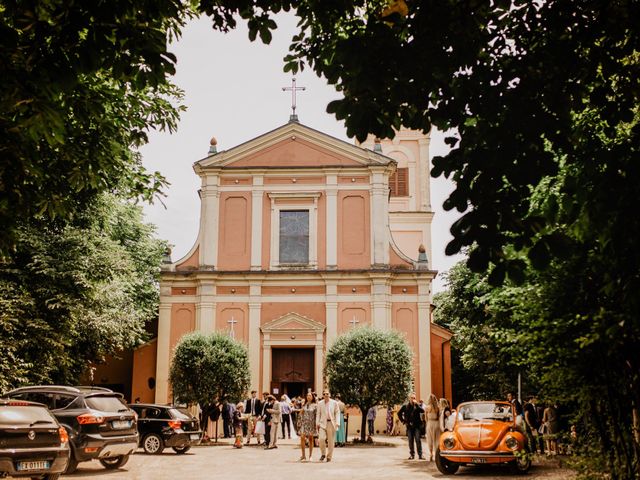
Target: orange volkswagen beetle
x=484, y=432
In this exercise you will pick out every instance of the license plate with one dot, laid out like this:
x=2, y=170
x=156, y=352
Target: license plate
x=120, y=424
x=194, y=436
x=40, y=465
x=479, y=460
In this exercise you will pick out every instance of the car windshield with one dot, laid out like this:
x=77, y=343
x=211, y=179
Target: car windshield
x=106, y=404
x=10, y=415
x=180, y=414
x=474, y=412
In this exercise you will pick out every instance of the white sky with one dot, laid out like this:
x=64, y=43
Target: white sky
x=233, y=91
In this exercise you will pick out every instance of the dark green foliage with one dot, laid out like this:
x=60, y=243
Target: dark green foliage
x=72, y=294
x=82, y=83
x=481, y=370
x=207, y=369
x=368, y=367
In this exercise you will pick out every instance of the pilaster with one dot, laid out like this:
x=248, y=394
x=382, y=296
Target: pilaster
x=380, y=218
x=163, y=353
x=424, y=336
x=209, y=221
x=256, y=223
x=332, y=222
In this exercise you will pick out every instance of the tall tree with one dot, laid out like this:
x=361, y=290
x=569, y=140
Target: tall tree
x=71, y=294
x=367, y=368
x=481, y=370
x=82, y=83
x=207, y=369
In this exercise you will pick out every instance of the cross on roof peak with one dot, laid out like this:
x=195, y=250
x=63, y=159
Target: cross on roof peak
x=293, y=88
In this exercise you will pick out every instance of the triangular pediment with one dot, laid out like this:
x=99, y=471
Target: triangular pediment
x=294, y=145
x=293, y=322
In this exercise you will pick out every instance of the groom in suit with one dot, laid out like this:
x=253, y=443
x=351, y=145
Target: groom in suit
x=252, y=408
x=327, y=418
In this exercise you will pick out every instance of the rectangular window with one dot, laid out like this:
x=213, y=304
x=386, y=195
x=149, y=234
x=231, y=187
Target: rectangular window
x=399, y=183
x=294, y=236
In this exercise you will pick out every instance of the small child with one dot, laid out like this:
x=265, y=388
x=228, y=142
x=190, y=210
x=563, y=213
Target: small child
x=238, y=418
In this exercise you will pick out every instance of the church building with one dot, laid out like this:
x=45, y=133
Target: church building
x=303, y=237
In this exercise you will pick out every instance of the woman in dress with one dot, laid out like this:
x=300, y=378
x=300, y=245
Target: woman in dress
x=433, y=425
x=307, y=425
x=551, y=428
x=341, y=432
x=443, y=404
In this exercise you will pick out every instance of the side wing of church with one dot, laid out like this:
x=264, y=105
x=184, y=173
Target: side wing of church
x=302, y=238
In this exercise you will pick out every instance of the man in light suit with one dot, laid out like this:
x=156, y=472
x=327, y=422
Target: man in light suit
x=276, y=418
x=327, y=418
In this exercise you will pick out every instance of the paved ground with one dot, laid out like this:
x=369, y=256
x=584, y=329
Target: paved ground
x=352, y=462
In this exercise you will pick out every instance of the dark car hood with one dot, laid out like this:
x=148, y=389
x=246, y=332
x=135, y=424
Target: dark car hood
x=481, y=435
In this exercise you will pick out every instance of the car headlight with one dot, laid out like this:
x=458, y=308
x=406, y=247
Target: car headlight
x=449, y=443
x=511, y=443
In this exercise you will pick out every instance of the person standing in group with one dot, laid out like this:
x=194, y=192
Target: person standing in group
x=285, y=408
x=411, y=415
x=371, y=420
x=511, y=398
x=443, y=406
x=275, y=410
x=266, y=418
x=531, y=423
x=551, y=428
x=433, y=426
x=341, y=433
x=227, y=418
x=327, y=415
x=307, y=425
x=238, y=420
x=253, y=409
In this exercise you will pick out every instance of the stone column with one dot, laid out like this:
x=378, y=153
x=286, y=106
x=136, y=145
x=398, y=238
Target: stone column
x=424, y=167
x=332, y=312
x=380, y=308
x=163, y=354
x=256, y=224
x=380, y=219
x=254, y=334
x=332, y=222
x=319, y=365
x=209, y=222
x=424, y=336
x=266, y=367
x=206, y=308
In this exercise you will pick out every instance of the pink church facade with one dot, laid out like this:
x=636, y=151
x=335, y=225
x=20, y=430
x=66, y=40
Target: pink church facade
x=303, y=237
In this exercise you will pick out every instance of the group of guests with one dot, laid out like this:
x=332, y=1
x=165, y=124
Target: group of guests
x=314, y=421
x=422, y=419
x=540, y=422
x=321, y=422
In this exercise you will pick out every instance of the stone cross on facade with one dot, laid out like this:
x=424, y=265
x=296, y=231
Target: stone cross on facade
x=354, y=322
x=232, y=322
x=293, y=90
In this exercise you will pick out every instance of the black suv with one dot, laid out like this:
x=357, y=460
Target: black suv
x=163, y=426
x=32, y=443
x=99, y=423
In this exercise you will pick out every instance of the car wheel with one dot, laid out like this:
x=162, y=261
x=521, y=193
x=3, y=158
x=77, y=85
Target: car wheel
x=181, y=450
x=112, y=463
x=445, y=466
x=72, y=466
x=522, y=463
x=153, y=444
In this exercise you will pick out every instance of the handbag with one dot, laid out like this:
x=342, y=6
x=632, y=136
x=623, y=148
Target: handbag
x=259, y=430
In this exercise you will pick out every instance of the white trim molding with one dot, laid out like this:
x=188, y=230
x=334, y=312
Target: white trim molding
x=312, y=208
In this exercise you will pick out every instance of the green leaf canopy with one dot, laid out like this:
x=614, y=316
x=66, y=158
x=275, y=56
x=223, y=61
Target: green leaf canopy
x=369, y=367
x=207, y=369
